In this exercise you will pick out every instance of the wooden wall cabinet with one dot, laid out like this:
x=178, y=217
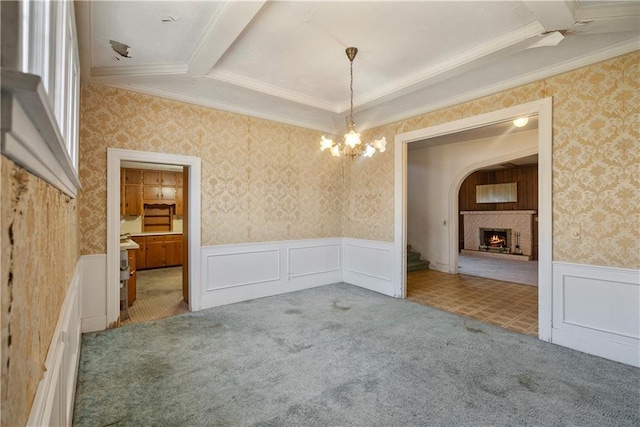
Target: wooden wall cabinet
x=132, y=200
x=179, y=201
x=130, y=192
x=159, y=186
x=149, y=187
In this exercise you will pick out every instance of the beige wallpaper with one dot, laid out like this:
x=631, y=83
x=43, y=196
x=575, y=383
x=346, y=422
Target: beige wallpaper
x=261, y=181
x=39, y=255
x=266, y=181
x=596, y=163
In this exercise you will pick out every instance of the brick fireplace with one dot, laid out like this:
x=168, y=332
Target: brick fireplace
x=498, y=232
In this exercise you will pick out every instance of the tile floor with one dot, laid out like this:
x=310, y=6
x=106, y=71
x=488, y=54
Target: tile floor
x=159, y=295
x=514, y=271
x=509, y=305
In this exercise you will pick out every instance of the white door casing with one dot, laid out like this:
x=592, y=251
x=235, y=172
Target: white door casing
x=114, y=158
x=542, y=108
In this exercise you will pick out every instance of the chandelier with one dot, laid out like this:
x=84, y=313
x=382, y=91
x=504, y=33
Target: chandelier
x=352, y=146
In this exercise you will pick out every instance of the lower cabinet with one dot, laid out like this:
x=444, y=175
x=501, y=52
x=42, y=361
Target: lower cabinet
x=154, y=252
x=159, y=250
x=131, y=286
x=173, y=250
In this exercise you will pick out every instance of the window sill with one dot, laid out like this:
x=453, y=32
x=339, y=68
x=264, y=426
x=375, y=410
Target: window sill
x=30, y=133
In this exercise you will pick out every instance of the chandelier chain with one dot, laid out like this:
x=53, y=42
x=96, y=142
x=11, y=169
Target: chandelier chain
x=353, y=145
x=351, y=124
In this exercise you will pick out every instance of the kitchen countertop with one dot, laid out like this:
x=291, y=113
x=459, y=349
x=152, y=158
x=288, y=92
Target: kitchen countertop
x=129, y=244
x=155, y=233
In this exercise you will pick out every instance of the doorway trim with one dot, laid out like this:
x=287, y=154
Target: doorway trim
x=114, y=157
x=543, y=108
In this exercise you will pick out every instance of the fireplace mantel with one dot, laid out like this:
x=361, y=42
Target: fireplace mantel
x=498, y=212
x=520, y=221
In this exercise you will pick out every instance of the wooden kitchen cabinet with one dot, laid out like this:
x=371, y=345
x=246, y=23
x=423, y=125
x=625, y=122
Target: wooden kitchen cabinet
x=179, y=202
x=140, y=253
x=132, y=200
x=159, y=187
x=151, y=177
x=130, y=192
x=168, y=179
x=173, y=250
x=168, y=194
x=151, y=193
x=139, y=187
x=158, y=251
x=131, y=286
x=155, y=254
x=132, y=176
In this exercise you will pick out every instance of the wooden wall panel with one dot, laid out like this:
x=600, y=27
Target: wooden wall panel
x=526, y=177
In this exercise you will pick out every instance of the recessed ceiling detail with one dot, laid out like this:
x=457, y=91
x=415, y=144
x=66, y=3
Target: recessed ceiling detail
x=283, y=61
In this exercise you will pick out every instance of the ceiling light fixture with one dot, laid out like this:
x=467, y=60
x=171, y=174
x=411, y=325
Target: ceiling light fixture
x=352, y=146
x=521, y=121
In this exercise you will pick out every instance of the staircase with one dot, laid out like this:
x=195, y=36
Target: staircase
x=414, y=263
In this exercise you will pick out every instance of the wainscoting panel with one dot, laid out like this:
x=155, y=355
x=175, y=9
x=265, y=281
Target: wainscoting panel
x=243, y=268
x=305, y=261
x=369, y=264
x=94, y=292
x=597, y=310
x=234, y=273
x=53, y=403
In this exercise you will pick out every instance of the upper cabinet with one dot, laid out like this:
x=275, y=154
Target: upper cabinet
x=41, y=89
x=139, y=187
x=159, y=187
x=132, y=176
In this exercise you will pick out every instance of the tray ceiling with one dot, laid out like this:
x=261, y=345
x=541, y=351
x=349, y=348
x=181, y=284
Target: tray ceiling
x=285, y=60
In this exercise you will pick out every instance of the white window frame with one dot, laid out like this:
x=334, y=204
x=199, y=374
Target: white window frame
x=40, y=100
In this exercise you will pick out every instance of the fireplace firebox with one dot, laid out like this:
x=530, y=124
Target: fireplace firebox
x=495, y=240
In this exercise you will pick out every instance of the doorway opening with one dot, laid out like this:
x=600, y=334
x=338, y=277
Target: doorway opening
x=442, y=225
x=152, y=200
x=153, y=214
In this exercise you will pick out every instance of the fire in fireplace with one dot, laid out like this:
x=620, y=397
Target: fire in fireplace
x=495, y=238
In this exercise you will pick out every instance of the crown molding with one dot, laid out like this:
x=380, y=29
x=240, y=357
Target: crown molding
x=423, y=78
x=586, y=12
x=217, y=105
x=598, y=56
x=137, y=70
x=583, y=61
x=267, y=89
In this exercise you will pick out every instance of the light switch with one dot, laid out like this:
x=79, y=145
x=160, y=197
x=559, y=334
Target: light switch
x=575, y=233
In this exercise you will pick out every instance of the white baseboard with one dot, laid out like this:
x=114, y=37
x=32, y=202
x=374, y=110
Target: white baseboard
x=234, y=273
x=94, y=292
x=596, y=310
x=53, y=403
x=368, y=264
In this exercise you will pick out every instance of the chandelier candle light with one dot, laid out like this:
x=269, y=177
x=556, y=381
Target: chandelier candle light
x=353, y=146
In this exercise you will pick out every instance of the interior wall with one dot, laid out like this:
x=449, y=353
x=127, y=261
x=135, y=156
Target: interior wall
x=596, y=152
x=40, y=252
x=431, y=174
x=261, y=181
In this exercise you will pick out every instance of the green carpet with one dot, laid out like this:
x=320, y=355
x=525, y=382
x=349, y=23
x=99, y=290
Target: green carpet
x=340, y=355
